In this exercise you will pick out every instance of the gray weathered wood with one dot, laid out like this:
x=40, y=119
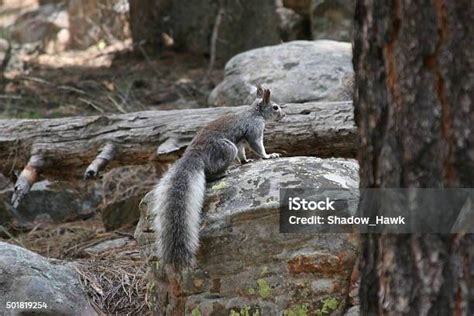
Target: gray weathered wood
x=69, y=145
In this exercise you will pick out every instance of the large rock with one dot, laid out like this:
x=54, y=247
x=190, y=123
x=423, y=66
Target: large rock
x=295, y=72
x=332, y=19
x=244, y=262
x=51, y=202
x=28, y=277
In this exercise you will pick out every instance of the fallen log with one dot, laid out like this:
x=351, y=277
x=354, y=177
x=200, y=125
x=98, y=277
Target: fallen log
x=78, y=147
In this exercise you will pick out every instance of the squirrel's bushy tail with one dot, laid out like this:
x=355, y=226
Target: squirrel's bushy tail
x=177, y=201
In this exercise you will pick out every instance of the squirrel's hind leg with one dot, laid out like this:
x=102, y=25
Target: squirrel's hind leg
x=223, y=153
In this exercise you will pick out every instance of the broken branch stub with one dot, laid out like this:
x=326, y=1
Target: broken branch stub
x=27, y=178
x=106, y=154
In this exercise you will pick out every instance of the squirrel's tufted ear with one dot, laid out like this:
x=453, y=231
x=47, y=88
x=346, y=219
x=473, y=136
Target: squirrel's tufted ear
x=259, y=91
x=266, y=96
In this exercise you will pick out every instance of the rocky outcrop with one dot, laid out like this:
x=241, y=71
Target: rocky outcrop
x=295, y=72
x=244, y=262
x=28, y=277
x=332, y=19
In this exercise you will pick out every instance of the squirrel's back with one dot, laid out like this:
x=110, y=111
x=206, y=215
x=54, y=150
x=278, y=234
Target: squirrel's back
x=232, y=126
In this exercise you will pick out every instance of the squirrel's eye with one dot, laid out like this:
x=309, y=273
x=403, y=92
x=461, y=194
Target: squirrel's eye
x=275, y=107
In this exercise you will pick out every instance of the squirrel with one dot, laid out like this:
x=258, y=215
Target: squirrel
x=178, y=197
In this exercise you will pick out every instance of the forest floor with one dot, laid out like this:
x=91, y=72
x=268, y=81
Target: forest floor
x=96, y=81
x=109, y=263
x=105, y=78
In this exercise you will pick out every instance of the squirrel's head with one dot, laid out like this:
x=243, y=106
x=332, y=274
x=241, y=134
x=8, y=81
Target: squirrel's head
x=269, y=109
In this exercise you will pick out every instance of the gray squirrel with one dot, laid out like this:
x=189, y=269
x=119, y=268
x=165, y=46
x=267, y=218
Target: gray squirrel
x=178, y=197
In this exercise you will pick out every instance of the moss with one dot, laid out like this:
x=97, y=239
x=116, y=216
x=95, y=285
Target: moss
x=297, y=310
x=219, y=186
x=329, y=305
x=251, y=291
x=264, y=271
x=245, y=311
x=263, y=288
x=196, y=311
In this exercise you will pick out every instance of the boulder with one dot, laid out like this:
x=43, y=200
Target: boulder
x=28, y=277
x=295, y=72
x=51, y=202
x=244, y=264
x=332, y=19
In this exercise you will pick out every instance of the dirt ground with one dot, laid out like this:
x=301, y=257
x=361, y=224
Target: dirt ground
x=99, y=80
x=114, y=277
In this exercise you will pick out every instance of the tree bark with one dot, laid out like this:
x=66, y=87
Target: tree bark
x=68, y=145
x=148, y=23
x=415, y=116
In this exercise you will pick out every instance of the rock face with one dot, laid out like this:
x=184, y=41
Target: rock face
x=332, y=19
x=244, y=263
x=295, y=72
x=28, y=277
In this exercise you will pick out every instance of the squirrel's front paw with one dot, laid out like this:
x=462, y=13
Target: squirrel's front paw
x=272, y=156
x=246, y=161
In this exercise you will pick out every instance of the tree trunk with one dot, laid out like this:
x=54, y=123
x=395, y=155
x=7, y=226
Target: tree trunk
x=415, y=115
x=64, y=147
x=148, y=23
